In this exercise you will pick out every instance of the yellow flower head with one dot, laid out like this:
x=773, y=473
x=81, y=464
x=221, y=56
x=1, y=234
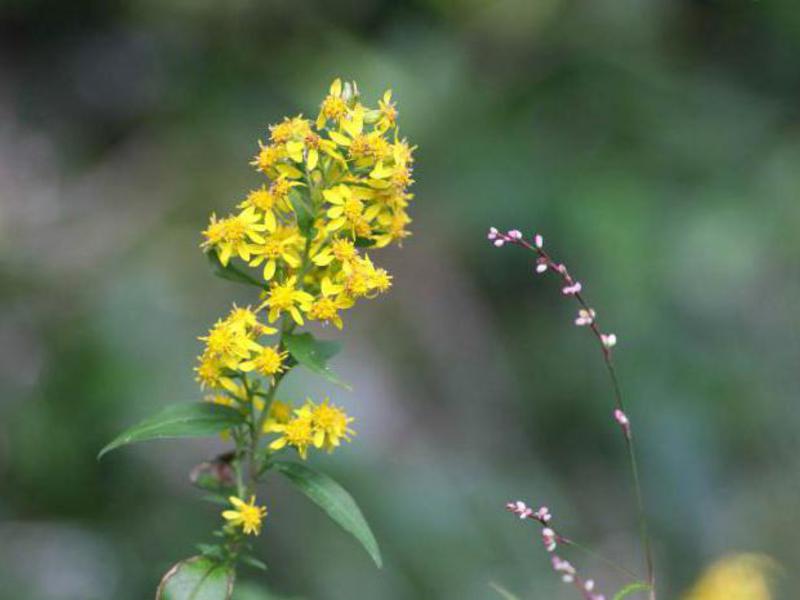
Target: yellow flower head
x=330, y=424
x=330, y=301
x=285, y=297
x=268, y=362
x=334, y=106
x=234, y=235
x=298, y=433
x=246, y=515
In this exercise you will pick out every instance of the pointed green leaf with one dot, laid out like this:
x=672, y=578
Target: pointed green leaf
x=196, y=419
x=314, y=354
x=197, y=578
x=230, y=271
x=503, y=592
x=631, y=588
x=335, y=501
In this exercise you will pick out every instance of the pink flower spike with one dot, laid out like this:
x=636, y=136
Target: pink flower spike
x=515, y=234
x=538, y=241
x=573, y=289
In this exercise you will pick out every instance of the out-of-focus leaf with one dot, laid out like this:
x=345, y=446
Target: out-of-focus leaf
x=252, y=561
x=314, y=354
x=335, y=501
x=631, y=588
x=197, y=578
x=251, y=591
x=196, y=419
x=231, y=272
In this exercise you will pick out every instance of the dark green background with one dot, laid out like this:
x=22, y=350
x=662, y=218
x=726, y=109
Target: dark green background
x=656, y=144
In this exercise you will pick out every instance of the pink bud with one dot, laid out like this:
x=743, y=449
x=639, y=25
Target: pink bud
x=538, y=241
x=541, y=267
x=499, y=242
x=609, y=340
x=515, y=234
x=621, y=418
x=573, y=289
x=492, y=235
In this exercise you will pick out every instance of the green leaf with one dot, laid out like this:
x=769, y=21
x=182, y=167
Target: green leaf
x=631, y=588
x=250, y=591
x=253, y=562
x=196, y=419
x=197, y=578
x=335, y=501
x=231, y=272
x=314, y=354
x=503, y=592
x=305, y=220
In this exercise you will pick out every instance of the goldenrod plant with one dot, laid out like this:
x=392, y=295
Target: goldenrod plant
x=333, y=191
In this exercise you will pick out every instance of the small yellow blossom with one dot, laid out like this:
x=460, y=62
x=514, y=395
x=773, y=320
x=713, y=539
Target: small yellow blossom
x=246, y=515
x=285, y=297
x=281, y=245
x=330, y=301
x=268, y=362
x=297, y=433
x=334, y=106
x=330, y=423
x=229, y=343
x=234, y=235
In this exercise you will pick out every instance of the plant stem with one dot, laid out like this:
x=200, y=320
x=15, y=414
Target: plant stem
x=644, y=535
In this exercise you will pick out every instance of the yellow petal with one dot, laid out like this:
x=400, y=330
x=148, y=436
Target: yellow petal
x=339, y=138
x=313, y=158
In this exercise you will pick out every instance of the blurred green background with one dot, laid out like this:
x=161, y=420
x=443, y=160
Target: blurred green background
x=655, y=143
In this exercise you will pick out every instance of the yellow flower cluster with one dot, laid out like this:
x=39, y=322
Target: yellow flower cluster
x=318, y=425
x=336, y=187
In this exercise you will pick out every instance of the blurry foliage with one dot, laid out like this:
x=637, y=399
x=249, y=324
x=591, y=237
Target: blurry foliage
x=657, y=141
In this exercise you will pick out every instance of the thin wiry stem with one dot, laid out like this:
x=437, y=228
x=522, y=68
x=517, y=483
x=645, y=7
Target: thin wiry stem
x=575, y=290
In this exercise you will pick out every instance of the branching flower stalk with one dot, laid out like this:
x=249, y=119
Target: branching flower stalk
x=586, y=317
x=334, y=189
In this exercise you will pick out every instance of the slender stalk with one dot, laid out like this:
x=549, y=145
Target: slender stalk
x=545, y=259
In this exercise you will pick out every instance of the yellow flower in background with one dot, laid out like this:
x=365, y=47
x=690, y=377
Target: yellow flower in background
x=246, y=515
x=735, y=577
x=279, y=414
